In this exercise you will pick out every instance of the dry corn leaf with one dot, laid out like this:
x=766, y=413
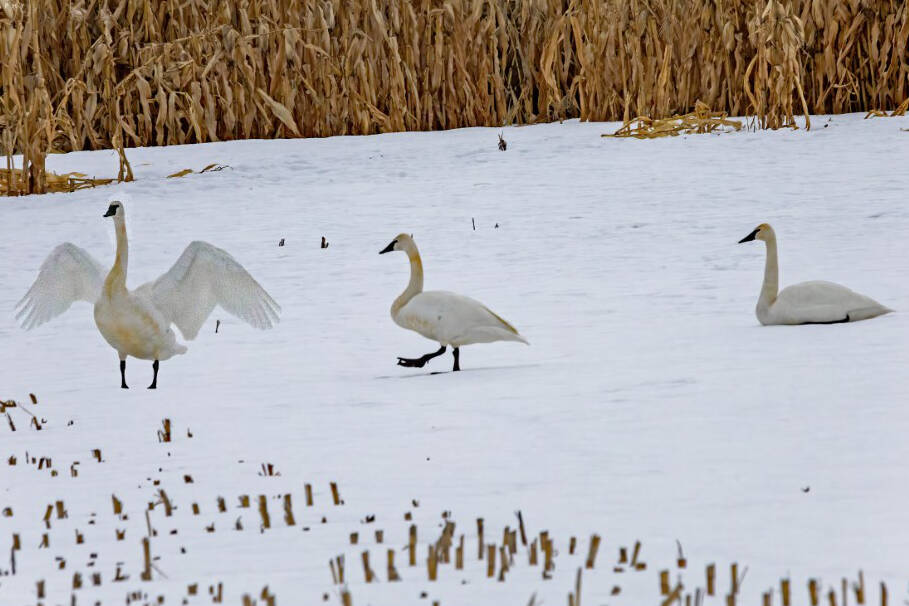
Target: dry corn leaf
x=105, y=72
x=281, y=112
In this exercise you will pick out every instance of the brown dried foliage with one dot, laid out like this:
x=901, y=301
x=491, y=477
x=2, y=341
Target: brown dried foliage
x=92, y=74
x=702, y=120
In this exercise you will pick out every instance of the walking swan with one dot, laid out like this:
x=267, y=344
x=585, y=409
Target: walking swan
x=137, y=323
x=814, y=302
x=446, y=317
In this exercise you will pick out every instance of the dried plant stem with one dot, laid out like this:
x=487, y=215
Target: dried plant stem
x=115, y=74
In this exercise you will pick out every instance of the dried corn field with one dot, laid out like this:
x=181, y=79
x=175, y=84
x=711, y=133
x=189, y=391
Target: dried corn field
x=104, y=73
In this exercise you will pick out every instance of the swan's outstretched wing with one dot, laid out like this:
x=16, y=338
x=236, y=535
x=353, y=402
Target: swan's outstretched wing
x=69, y=274
x=205, y=276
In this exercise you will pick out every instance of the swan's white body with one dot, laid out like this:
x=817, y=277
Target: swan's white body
x=137, y=323
x=453, y=319
x=445, y=317
x=131, y=324
x=815, y=302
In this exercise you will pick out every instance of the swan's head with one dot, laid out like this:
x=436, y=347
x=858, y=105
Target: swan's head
x=761, y=232
x=401, y=242
x=115, y=209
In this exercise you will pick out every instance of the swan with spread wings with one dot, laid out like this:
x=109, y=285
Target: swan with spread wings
x=137, y=323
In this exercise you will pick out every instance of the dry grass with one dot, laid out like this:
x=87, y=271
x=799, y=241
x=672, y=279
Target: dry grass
x=702, y=120
x=14, y=182
x=899, y=111
x=112, y=73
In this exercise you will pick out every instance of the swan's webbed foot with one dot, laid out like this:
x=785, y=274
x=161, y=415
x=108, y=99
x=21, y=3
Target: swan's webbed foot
x=154, y=384
x=421, y=361
x=412, y=362
x=123, y=384
x=457, y=355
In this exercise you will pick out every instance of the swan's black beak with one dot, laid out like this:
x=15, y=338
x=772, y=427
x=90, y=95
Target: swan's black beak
x=388, y=248
x=111, y=211
x=750, y=236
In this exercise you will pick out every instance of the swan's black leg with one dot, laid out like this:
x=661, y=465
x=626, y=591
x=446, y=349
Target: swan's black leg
x=457, y=355
x=154, y=384
x=422, y=360
x=123, y=384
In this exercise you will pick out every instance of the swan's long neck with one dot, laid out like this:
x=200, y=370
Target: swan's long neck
x=771, y=285
x=116, y=279
x=415, y=286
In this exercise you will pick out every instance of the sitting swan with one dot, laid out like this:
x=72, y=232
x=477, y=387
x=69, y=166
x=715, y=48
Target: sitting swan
x=138, y=323
x=815, y=302
x=446, y=317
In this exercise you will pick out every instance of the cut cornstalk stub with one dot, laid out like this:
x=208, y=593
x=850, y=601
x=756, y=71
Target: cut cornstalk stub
x=673, y=595
x=146, y=554
x=392, y=571
x=263, y=512
x=860, y=588
x=711, y=579
x=503, y=565
x=432, y=562
x=521, y=528
x=592, y=551
x=368, y=574
x=288, y=511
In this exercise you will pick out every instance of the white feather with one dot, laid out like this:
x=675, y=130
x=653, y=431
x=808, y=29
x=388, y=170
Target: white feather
x=68, y=274
x=203, y=277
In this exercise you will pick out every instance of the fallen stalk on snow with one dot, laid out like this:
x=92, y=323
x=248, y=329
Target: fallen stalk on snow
x=899, y=111
x=701, y=121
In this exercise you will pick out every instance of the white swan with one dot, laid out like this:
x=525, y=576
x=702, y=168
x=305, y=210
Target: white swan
x=446, y=317
x=138, y=323
x=815, y=302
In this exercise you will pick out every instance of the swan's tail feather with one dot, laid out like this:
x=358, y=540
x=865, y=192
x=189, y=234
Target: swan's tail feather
x=511, y=333
x=487, y=334
x=504, y=322
x=519, y=338
x=866, y=313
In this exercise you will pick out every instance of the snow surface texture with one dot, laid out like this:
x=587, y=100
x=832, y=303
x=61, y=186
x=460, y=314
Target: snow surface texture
x=651, y=405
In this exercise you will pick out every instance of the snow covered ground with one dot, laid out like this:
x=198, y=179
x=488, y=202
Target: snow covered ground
x=651, y=406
